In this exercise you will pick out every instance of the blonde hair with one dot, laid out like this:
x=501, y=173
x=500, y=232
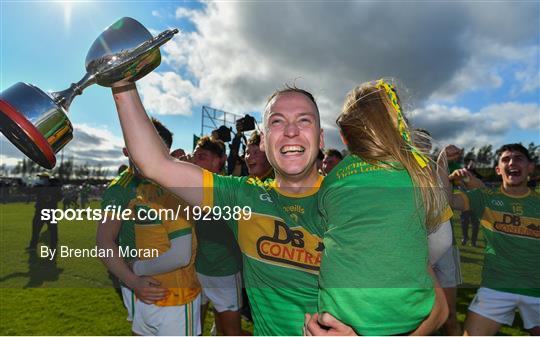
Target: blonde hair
x=369, y=124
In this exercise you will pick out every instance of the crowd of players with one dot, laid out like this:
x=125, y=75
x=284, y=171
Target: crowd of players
x=339, y=242
x=362, y=221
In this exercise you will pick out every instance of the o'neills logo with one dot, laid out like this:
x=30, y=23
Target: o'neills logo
x=295, y=247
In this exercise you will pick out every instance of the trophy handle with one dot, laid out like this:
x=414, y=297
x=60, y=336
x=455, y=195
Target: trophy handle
x=65, y=97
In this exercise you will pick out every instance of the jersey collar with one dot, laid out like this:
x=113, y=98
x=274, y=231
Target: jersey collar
x=526, y=194
x=309, y=191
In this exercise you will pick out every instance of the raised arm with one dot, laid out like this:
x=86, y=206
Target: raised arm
x=149, y=153
x=466, y=178
x=456, y=201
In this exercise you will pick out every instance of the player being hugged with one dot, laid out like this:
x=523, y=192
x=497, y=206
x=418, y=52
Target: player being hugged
x=375, y=204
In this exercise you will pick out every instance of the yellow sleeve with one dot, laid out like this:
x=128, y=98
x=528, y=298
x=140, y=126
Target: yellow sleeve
x=208, y=189
x=446, y=215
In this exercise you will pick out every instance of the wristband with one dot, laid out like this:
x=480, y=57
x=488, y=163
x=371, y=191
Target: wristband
x=127, y=87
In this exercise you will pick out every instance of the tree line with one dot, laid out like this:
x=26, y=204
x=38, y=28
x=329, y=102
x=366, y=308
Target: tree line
x=485, y=159
x=65, y=170
x=485, y=156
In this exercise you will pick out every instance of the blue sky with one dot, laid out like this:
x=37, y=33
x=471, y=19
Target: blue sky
x=470, y=71
x=45, y=43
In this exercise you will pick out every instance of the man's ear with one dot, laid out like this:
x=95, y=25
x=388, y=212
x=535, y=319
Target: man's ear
x=498, y=170
x=125, y=152
x=321, y=139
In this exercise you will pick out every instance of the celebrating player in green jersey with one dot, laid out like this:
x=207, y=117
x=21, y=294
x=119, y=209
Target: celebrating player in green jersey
x=510, y=220
x=154, y=310
x=281, y=240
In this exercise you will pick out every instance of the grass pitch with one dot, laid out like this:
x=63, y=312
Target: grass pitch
x=74, y=296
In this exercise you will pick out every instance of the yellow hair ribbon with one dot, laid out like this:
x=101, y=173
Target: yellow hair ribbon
x=421, y=158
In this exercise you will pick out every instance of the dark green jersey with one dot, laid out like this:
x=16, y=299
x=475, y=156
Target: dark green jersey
x=281, y=247
x=218, y=253
x=511, y=227
x=374, y=267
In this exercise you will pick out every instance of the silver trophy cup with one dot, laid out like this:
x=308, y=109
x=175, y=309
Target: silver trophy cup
x=36, y=122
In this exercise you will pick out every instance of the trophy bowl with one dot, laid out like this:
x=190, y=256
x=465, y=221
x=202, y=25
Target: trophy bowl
x=123, y=51
x=36, y=122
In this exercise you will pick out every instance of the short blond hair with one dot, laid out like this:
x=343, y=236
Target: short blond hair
x=290, y=89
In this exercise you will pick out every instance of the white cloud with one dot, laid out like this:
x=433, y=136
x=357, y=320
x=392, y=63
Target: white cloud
x=182, y=12
x=167, y=94
x=529, y=76
x=489, y=125
x=91, y=144
x=242, y=51
x=8, y=161
x=485, y=66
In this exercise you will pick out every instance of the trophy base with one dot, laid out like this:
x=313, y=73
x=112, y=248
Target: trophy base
x=25, y=136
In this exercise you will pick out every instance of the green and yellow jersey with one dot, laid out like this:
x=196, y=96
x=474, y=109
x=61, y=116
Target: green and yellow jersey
x=373, y=273
x=157, y=234
x=131, y=192
x=281, y=248
x=511, y=227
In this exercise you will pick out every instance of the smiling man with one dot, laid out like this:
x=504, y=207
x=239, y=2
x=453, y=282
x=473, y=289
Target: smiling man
x=292, y=138
x=280, y=240
x=282, y=248
x=510, y=220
